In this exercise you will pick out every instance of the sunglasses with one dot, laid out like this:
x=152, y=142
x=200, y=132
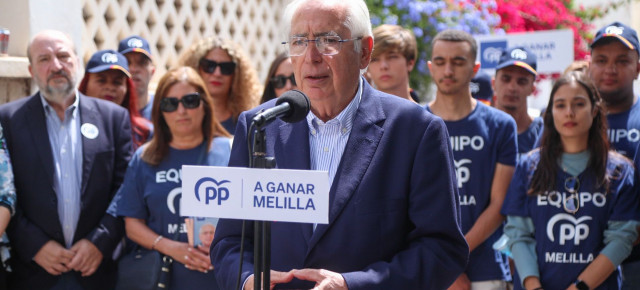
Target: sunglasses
x=209, y=66
x=189, y=101
x=572, y=203
x=279, y=81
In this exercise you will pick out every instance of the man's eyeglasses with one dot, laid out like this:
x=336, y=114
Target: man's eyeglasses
x=326, y=44
x=279, y=81
x=189, y=101
x=209, y=66
x=572, y=202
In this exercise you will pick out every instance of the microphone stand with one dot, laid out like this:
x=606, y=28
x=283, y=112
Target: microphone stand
x=262, y=229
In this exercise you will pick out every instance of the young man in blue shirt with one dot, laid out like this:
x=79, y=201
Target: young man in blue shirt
x=138, y=53
x=513, y=83
x=484, y=146
x=614, y=66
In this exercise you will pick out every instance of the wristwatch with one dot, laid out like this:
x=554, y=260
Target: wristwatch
x=581, y=285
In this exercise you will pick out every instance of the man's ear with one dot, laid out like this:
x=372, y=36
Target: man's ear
x=476, y=68
x=410, y=65
x=493, y=83
x=367, y=49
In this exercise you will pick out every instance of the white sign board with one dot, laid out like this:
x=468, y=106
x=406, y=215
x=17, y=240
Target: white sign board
x=553, y=48
x=255, y=194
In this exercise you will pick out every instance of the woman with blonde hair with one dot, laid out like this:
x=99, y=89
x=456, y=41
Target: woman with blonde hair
x=229, y=75
x=186, y=133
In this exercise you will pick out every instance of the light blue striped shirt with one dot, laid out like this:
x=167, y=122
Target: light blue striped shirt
x=66, y=147
x=328, y=140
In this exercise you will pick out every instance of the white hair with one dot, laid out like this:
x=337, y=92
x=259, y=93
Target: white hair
x=357, y=20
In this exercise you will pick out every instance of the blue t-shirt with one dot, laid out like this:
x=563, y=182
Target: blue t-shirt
x=635, y=253
x=566, y=243
x=624, y=130
x=146, y=111
x=527, y=139
x=229, y=125
x=485, y=137
x=153, y=193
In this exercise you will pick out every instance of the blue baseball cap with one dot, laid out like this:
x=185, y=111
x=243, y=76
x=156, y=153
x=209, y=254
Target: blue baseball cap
x=135, y=43
x=621, y=32
x=519, y=56
x=480, y=87
x=108, y=59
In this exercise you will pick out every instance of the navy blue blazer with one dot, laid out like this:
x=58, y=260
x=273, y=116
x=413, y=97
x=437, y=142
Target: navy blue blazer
x=394, y=220
x=36, y=220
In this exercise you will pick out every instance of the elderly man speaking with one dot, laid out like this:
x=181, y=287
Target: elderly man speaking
x=394, y=213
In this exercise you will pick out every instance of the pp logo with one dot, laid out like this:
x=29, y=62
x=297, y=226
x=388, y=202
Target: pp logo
x=491, y=54
x=570, y=228
x=614, y=30
x=213, y=190
x=474, y=87
x=134, y=42
x=462, y=173
x=109, y=58
x=519, y=54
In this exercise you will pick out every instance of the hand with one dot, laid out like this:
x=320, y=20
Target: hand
x=54, y=258
x=532, y=282
x=462, y=283
x=276, y=277
x=203, y=249
x=87, y=257
x=192, y=258
x=324, y=279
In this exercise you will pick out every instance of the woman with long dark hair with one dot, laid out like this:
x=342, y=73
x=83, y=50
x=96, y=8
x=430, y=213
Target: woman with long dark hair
x=572, y=206
x=107, y=77
x=279, y=78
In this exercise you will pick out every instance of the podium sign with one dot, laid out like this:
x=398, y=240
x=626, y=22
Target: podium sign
x=255, y=194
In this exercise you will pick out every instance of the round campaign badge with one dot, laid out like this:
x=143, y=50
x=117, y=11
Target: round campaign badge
x=89, y=131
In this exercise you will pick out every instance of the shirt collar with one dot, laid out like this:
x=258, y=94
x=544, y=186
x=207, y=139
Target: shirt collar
x=345, y=118
x=71, y=108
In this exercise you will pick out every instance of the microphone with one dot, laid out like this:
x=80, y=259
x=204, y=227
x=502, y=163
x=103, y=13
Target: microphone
x=291, y=107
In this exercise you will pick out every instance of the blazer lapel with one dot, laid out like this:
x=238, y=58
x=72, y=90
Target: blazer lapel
x=363, y=142
x=88, y=115
x=293, y=141
x=37, y=124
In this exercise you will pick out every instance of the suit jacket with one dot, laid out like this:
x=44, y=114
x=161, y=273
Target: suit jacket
x=394, y=220
x=36, y=220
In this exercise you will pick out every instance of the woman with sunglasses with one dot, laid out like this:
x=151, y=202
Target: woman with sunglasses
x=279, y=79
x=231, y=79
x=107, y=77
x=572, y=206
x=187, y=133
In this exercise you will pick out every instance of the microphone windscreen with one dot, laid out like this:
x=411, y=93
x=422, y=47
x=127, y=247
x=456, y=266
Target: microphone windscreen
x=299, y=103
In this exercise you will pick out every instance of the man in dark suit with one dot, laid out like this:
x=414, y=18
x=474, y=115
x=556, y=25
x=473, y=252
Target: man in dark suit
x=393, y=218
x=70, y=153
